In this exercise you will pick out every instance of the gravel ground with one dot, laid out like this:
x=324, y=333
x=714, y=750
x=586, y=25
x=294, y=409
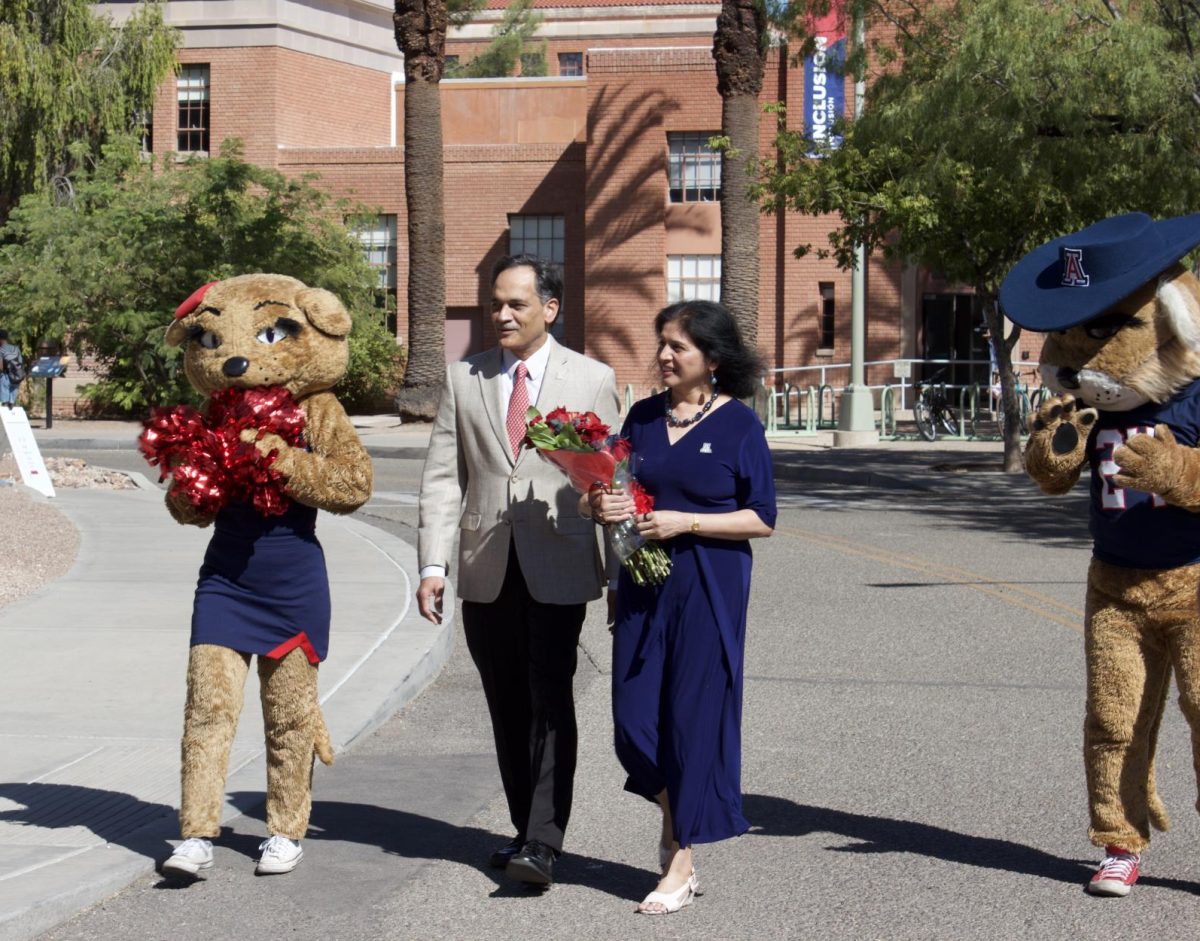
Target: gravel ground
x=41, y=541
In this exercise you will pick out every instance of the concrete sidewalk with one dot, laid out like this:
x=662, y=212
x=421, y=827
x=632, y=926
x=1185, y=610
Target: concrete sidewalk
x=91, y=699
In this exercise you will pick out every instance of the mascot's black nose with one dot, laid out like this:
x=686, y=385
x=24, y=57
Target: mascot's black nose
x=1067, y=378
x=237, y=365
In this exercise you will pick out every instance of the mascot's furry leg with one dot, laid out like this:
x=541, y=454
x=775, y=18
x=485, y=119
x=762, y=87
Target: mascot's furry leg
x=1139, y=622
x=215, y=680
x=295, y=731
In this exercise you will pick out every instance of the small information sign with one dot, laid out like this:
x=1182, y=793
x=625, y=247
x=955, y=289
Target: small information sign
x=48, y=367
x=25, y=450
x=902, y=370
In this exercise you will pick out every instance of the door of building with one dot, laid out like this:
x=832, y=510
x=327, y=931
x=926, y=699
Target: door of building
x=952, y=328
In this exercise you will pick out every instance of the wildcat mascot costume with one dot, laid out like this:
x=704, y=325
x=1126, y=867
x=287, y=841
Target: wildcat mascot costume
x=1122, y=355
x=270, y=447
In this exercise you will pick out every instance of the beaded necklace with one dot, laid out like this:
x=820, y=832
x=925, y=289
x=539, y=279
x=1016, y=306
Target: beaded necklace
x=684, y=422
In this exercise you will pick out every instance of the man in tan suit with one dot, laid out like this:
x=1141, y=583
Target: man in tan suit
x=528, y=563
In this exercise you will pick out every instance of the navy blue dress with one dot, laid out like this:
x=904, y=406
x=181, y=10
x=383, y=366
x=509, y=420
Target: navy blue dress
x=263, y=587
x=677, y=647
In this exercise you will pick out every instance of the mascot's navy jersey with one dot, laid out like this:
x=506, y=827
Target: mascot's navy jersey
x=1131, y=528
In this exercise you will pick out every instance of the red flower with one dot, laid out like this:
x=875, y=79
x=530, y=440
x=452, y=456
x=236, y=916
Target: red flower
x=591, y=429
x=620, y=448
x=642, y=501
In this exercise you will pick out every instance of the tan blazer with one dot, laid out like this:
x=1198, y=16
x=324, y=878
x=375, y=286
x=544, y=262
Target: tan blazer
x=472, y=484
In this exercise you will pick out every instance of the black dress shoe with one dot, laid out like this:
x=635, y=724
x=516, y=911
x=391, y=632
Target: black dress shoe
x=499, y=859
x=534, y=865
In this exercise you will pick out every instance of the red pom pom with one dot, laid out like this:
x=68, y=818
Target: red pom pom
x=212, y=466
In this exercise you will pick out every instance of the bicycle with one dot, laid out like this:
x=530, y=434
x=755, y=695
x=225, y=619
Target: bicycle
x=933, y=409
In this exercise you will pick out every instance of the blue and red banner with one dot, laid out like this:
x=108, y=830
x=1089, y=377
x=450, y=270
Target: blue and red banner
x=824, y=79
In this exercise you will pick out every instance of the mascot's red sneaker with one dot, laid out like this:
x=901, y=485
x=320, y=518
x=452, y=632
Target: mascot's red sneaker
x=1117, y=873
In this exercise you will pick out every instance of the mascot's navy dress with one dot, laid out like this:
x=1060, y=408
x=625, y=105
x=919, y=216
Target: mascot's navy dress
x=677, y=647
x=263, y=586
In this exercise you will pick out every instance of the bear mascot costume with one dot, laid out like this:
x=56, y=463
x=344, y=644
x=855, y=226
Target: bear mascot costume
x=270, y=446
x=1122, y=357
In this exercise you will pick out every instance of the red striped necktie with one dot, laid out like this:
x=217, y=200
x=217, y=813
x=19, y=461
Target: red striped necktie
x=518, y=405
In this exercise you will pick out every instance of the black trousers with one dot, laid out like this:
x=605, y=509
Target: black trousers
x=525, y=652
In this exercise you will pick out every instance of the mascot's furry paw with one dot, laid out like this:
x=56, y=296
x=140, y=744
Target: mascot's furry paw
x=183, y=512
x=268, y=443
x=1157, y=464
x=1057, y=447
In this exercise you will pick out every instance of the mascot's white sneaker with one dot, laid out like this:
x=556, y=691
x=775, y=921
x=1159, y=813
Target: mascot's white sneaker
x=279, y=855
x=189, y=858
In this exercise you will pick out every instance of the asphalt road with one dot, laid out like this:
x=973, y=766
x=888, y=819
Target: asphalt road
x=912, y=766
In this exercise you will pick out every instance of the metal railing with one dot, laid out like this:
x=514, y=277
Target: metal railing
x=790, y=407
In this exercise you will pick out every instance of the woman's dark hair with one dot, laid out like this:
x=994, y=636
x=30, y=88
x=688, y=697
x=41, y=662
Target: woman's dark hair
x=711, y=327
x=549, y=278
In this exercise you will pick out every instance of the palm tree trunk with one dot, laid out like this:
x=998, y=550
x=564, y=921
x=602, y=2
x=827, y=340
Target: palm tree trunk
x=739, y=214
x=426, y=241
x=739, y=53
x=421, y=35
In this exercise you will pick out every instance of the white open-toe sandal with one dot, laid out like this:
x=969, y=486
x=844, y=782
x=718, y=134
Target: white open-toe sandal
x=670, y=901
x=664, y=860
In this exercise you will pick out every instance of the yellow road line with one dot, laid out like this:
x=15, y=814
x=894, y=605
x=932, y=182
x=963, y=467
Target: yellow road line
x=1034, y=601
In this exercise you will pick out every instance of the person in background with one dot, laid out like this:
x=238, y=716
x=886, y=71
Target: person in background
x=12, y=370
x=678, y=647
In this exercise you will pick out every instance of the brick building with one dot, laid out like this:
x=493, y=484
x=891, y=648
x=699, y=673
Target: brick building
x=602, y=165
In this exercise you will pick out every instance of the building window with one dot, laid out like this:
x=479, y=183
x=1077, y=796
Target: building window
x=694, y=168
x=192, y=91
x=570, y=63
x=533, y=64
x=143, y=127
x=537, y=235
x=378, y=237
x=693, y=278
x=825, y=318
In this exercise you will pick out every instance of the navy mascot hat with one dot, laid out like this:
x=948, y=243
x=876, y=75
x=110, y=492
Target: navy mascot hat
x=1074, y=278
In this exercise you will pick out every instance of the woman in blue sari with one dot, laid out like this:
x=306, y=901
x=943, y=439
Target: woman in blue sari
x=678, y=647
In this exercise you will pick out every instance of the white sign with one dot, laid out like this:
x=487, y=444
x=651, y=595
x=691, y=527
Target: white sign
x=902, y=370
x=25, y=450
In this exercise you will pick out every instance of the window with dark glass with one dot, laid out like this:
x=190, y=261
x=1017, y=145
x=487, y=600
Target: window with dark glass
x=192, y=91
x=825, y=317
x=570, y=63
x=694, y=167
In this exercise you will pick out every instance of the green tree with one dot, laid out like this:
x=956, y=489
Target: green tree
x=68, y=75
x=511, y=41
x=994, y=126
x=100, y=275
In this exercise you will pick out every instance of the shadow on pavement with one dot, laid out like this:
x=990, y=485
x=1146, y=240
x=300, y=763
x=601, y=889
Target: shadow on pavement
x=777, y=816
x=415, y=836
x=113, y=816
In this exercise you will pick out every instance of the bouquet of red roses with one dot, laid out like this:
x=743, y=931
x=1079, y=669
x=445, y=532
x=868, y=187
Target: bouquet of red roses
x=579, y=445
x=205, y=454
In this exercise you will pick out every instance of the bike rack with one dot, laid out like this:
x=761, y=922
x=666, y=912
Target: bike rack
x=887, y=411
x=820, y=393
